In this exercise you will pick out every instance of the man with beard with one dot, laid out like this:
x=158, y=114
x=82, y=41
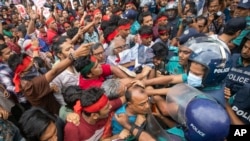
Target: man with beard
x=240, y=72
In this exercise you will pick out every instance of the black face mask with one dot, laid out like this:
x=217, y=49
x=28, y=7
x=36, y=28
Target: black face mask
x=32, y=73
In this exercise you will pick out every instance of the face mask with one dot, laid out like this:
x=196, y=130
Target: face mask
x=194, y=80
x=33, y=72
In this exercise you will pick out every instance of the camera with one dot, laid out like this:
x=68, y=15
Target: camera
x=217, y=15
x=50, y=6
x=188, y=20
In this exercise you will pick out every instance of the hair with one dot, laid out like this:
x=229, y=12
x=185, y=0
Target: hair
x=234, y=25
x=110, y=49
x=210, y=1
x=88, y=4
x=80, y=63
x=115, y=10
x=145, y=29
x=114, y=20
x=161, y=14
x=91, y=96
x=71, y=94
x=94, y=47
x=123, y=22
x=142, y=15
x=57, y=42
x=104, y=25
x=22, y=28
x=244, y=40
x=2, y=47
x=108, y=30
x=72, y=32
x=163, y=28
x=15, y=59
x=160, y=50
x=88, y=18
x=191, y=4
x=34, y=122
x=2, y=37
x=201, y=17
x=128, y=93
x=111, y=87
x=193, y=11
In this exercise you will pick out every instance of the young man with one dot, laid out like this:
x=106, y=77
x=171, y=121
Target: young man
x=69, y=76
x=95, y=111
x=239, y=75
x=93, y=73
x=35, y=86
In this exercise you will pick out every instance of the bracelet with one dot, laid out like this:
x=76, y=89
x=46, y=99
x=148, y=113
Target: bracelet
x=71, y=56
x=138, y=133
x=132, y=128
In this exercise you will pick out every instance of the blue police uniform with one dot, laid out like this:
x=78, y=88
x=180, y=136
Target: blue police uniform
x=240, y=103
x=238, y=74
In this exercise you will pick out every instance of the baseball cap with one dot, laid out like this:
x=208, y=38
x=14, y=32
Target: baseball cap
x=244, y=4
x=130, y=14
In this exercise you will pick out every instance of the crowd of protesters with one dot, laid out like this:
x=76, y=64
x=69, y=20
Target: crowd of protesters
x=155, y=70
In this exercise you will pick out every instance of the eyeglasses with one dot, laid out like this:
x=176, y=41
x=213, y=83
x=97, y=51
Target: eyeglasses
x=121, y=47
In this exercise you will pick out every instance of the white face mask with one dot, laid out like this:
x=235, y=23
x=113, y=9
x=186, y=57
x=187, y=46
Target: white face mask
x=194, y=80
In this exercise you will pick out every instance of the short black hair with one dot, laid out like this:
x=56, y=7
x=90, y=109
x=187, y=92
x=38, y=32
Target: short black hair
x=114, y=20
x=2, y=37
x=160, y=50
x=142, y=15
x=2, y=47
x=34, y=122
x=72, y=32
x=164, y=28
x=57, y=42
x=94, y=47
x=91, y=96
x=80, y=63
x=71, y=94
x=88, y=18
x=145, y=29
x=15, y=59
x=123, y=22
x=234, y=25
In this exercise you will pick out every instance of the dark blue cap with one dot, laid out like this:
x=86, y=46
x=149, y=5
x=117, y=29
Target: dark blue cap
x=244, y=4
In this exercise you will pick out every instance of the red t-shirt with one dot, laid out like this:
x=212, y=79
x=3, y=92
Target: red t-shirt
x=50, y=36
x=87, y=83
x=86, y=131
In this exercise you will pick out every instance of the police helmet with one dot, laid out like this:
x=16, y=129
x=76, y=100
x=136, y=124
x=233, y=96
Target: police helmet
x=213, y=55
x=171, y=5
x=206, y=120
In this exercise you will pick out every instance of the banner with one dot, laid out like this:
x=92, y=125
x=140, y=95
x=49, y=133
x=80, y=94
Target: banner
x=39, y=4
x=21, y=10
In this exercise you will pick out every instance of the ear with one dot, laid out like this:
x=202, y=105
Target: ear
x=60, y=55
x=95, y=116
x=89, y=75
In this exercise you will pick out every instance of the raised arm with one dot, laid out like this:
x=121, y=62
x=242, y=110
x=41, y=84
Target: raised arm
x=81, y=51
